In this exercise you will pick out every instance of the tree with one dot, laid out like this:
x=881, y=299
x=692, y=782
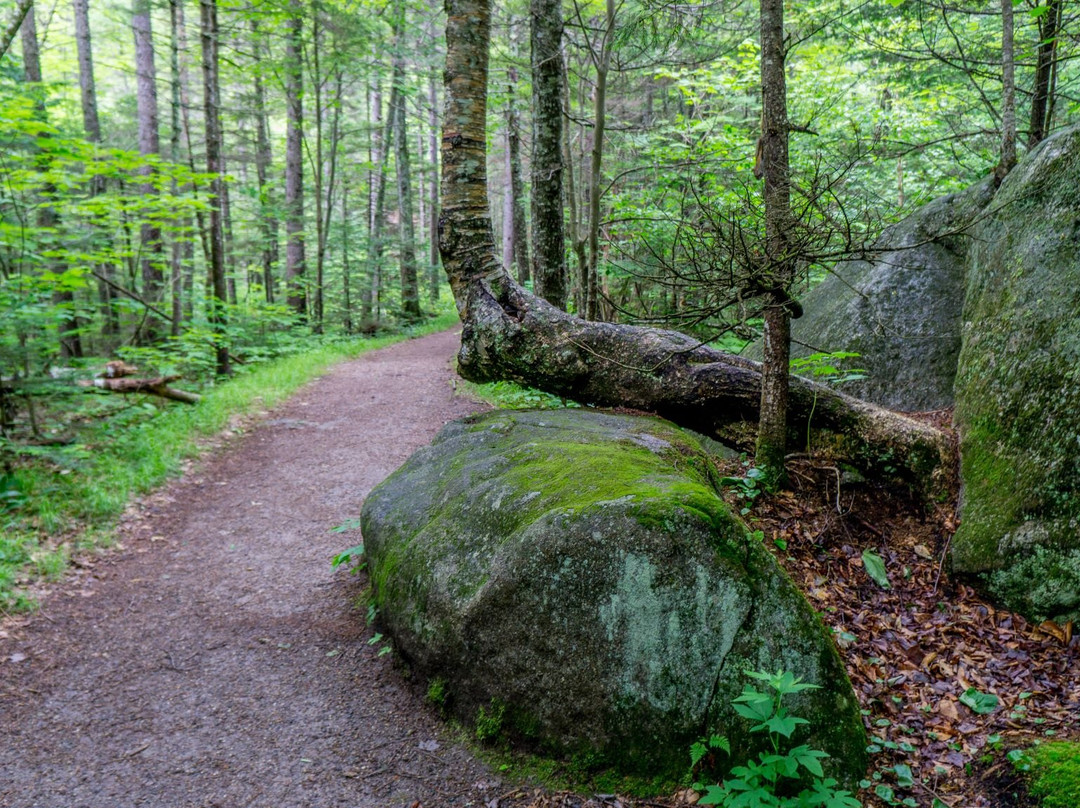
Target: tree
x=209, y=33
x=779, y=256
x=548, y=240
x=510, y=334
x=149, y=146
x=295, y=292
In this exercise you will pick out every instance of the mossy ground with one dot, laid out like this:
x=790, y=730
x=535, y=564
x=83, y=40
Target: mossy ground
x=1055, y=774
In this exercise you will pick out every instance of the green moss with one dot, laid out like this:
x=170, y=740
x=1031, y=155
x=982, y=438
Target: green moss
x=1055, y=774
x=489, y=721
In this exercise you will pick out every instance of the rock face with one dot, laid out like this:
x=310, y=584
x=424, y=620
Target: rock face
x=575, y=574
x=1018, y=388
x=901, y=310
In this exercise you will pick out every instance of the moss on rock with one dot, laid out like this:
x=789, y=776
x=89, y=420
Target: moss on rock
x=1018, y=388
x=579, y=568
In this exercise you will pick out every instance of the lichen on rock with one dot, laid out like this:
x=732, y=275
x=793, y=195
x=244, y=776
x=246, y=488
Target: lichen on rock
x=1018, y=388
x=579, y=568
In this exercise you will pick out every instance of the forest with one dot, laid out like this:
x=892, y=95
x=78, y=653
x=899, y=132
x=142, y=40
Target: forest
x=203, y=205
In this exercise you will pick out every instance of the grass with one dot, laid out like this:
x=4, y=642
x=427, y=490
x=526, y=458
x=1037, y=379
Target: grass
x=59, y=500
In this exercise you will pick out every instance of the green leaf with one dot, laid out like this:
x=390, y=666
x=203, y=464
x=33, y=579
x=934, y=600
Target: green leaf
x=875, y=568
x=904, y=778
x=979, y=702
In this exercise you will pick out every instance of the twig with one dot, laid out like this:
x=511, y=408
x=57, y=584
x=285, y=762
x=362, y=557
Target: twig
x=941, y=565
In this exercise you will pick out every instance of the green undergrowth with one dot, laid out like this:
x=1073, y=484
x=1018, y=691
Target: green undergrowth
x=64, y=499
x=582, y=774
x=1054, y=773
x=511, y=396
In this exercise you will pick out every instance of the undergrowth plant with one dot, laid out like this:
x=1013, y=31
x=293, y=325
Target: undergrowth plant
x=771, y=780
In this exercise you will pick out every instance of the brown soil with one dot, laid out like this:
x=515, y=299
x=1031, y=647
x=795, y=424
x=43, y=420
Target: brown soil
x=215, y=658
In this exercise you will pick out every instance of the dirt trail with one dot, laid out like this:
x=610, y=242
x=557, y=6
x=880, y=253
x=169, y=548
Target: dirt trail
x=214, y=660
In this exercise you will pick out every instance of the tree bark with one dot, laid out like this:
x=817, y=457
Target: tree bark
x=92, y=127
x=296, y=296
x=1041, y=100
x=48, y=219
x=214, y=166
x=263, y=162
x=433, y=205
x=510, y=334
x=548, y=239
x=410, y=289
x=1008, y=93
x=519, y=244
x=12, y=30
x=779, y=271
x=602, y=59
x=158, y=387
x=153, y=276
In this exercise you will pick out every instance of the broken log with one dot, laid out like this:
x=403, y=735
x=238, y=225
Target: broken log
x=156, y=387
x=511, y=334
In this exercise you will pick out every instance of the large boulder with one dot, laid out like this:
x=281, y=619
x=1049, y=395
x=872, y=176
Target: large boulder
x=900, y=310
x=1018, y=388
x=576, y=574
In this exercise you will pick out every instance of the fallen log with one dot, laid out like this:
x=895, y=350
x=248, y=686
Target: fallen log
x=156, y=387
x=511, y=334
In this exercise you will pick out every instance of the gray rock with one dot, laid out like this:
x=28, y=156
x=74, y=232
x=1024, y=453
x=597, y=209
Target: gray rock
x=574, y=575
x=1018, y=388
x=900, y=310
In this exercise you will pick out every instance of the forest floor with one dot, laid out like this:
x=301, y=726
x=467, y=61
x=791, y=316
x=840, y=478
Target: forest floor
x=214, y=659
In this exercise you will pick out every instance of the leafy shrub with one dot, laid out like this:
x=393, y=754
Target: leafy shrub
x=769, y=782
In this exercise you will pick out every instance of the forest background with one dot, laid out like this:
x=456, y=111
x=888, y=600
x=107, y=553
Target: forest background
x=200, y=188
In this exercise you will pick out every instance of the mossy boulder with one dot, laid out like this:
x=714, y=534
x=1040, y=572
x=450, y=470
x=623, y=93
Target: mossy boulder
x=575, y=575
x=899, y=310
x=1018, y=388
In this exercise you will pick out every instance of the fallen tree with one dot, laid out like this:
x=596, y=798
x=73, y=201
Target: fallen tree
x=510, y=334
x=157, y=387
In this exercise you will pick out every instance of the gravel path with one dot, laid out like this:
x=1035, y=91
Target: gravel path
x=216, y=660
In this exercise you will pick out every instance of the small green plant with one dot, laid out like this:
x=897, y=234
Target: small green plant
x=489, y=721
x=353, y=557
x=825, y=367
x=436, y=692
x=760, y=783
x=746, y=487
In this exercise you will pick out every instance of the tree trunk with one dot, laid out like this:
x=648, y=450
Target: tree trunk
x=510, y=334
x=410, y=289
x=433, y=189
x=548, y=240
x=346, y=270
x=8, y=36
x=1008, y=94
x=296, y=296
x=317, y=169
x=778, y=273
x=263, y=162
x=48, y=219
x=602, y=59
x=214, y=166
x=1041, y=101
x=92, y=127
x=519, y=227
x=153, y=276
